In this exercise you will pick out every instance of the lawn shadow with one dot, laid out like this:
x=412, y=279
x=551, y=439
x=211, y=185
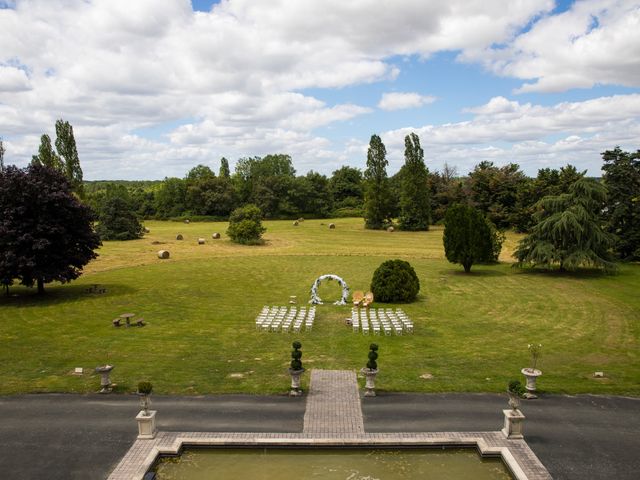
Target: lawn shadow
x=580, y=274
x=57, y=293
x=475, y=272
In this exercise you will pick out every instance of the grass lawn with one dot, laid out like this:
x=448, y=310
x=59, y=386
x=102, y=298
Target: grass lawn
x=471, y=331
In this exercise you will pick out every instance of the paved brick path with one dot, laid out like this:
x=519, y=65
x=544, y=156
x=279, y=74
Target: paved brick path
x=333, y=404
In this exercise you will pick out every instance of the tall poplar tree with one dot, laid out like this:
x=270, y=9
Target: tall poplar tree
x=66, y=146
x=415, y=201
x=377, y=197
x=47, y=156
x=2, y=150
x=224, y=168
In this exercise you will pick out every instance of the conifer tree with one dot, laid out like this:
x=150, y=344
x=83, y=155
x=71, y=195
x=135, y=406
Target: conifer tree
x=415, y=202
x=568, y=232
x=467, y=237
x=377, y=196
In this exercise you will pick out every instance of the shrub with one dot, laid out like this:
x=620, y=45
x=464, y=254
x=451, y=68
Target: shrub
x=245, y=225
x=395, y=281
x=145, y=388
x=373, y=356
x=515, y=386
x=296, y=355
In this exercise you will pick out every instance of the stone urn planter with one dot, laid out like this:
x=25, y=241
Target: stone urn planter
x=531, y=374
x=146, y=418
x=105, y=381
x=144, y=391
x=296, y=370
x=370, y=371
x=370, y=381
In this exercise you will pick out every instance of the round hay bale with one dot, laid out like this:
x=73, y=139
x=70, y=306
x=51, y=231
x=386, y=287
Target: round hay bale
x=295, y=224
x=215, y=236
x=179, y=237
x=332, y=226
x=201, y=241
x=163, y=254
x=186, y=221
x=390, y=229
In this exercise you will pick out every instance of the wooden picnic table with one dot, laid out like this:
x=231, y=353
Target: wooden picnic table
x=127, y=317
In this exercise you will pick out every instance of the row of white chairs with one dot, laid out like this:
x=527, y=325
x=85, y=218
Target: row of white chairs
x=285, y=319
x=380, y=320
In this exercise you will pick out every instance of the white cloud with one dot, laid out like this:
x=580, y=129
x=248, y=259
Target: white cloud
x=594, y=42
x=233, y=79
x=13, y=79
x=399, y=101
x=507, y=131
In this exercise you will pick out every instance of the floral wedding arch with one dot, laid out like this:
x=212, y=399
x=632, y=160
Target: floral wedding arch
x=316, y=300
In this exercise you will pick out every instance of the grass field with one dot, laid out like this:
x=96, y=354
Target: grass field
x=471, y=331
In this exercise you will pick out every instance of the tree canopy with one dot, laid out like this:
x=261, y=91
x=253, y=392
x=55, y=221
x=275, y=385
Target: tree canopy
x=622, y=179
x=415, y=202
x=116, y=216
x=245, y=225
x=569, y=232
x=467, y=236
x=377, y=196
x=46, y=233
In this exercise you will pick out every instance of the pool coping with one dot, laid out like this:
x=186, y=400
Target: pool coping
x=515, y=453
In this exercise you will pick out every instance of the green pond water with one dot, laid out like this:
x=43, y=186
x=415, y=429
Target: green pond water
x=331, y=464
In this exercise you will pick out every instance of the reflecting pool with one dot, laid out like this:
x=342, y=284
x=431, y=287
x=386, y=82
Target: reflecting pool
x=331, y=464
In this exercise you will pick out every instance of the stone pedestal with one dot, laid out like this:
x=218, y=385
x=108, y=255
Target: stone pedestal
x=105, y=382
x=513, y=424
x=146, y=425
x=296, y=390
x=370, y=382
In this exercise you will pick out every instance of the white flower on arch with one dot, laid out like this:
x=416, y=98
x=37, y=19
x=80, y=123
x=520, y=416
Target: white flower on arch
x=316, y=300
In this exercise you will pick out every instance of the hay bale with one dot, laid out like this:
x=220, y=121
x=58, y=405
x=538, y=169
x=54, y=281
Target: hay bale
x=146, y=230
x=163, y=254
x=201, y=241
x=295, y=224
x=215, y=236
x=186, y=221
x=179, y=237
x=390, y=229
x=332, y=226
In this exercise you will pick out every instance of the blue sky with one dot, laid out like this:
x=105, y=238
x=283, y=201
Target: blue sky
x=155, y=88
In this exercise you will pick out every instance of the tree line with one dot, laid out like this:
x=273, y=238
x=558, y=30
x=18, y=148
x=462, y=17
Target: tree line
x=571, y=220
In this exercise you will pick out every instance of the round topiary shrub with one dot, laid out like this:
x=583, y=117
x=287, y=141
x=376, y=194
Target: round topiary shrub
x=395, y=281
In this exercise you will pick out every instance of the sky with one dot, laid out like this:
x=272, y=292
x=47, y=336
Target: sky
x=154, y=88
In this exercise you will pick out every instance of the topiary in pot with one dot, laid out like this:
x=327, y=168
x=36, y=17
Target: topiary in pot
x=515, y=390
x=296, y=369
x=371, y=371
x=144, y=390
x=395, y=281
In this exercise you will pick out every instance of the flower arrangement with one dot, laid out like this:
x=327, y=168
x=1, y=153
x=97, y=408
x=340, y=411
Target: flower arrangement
x=534, y=350
x=316, y=300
